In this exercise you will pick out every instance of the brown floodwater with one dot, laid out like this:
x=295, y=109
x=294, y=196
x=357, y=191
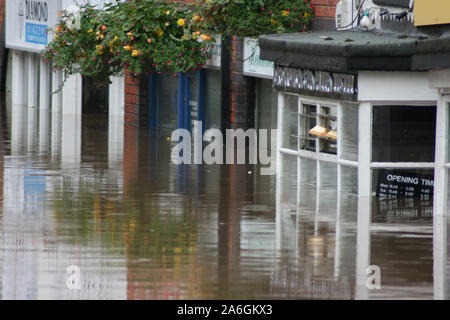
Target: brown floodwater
x=91, y=193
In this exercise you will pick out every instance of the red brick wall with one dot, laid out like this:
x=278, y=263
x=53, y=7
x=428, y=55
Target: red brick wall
x=136, y=100
x=238, y=86
x=324, y=14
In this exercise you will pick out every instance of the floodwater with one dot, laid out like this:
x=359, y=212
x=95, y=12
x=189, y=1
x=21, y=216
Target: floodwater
x=91, y=193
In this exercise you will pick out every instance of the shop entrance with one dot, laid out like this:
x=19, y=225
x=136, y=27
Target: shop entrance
x=177, y=101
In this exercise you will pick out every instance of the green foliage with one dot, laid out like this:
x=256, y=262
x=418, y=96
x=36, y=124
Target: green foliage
x=143, y=36
x=256, y=17
x=140, y=36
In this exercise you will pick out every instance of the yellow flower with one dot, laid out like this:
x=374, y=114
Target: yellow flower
x=90, y=31
x=159, y=32
x=205, y=37
x=135, y=53
x=285, y=13
x=115, y=38
x=167, y=12
x=272, y=21
x=128, y=48
x=307, y=14
x=185, y=37
x=197, y=18
x=180, y=22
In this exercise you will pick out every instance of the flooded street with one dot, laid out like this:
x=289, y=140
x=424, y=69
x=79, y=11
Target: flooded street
x=92, y=193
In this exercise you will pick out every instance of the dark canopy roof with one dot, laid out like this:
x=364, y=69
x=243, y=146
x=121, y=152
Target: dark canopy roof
x=357, y=50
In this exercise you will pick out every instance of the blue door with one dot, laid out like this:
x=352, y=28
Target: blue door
x=177, y=101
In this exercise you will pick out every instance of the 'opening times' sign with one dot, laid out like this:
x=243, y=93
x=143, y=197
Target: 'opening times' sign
x=400, y=184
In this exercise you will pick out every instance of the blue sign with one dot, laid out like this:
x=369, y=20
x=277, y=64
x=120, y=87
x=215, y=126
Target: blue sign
x=36, y=33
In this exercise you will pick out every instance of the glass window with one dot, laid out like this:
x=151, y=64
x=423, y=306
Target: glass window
x=403, y=134
x=167, y=101
x=328, y=175
x=213, y=99
x=349, y=180
x=308, y=121
x=290, y=125
x=349, y=132
x=289, y=179
x=328, y=120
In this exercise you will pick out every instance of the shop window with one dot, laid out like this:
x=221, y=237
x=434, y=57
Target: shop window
x=349, y=131
x=403, y=134
x=308, y=121
x=328, y=120
x=213, y=92
x=167, y=101
x=290, y=127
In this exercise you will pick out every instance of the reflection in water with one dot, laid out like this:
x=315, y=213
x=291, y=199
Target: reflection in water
x=93, y=193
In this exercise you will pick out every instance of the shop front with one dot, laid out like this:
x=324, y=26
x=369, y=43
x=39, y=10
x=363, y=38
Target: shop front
x=178, y=100
x=357, y=113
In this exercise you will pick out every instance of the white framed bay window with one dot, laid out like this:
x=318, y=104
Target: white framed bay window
x=318, y=147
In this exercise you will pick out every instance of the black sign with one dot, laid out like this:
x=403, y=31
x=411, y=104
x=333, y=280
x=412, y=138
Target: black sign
x=318, y=83
x=401, y=184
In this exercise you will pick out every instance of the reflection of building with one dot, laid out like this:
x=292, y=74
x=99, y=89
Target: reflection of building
x=40, y=234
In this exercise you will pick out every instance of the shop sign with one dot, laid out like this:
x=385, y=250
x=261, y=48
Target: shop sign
x=216, y=54
x=401, y=184
x=253, y=65
x=316, y=82
x=27, y=23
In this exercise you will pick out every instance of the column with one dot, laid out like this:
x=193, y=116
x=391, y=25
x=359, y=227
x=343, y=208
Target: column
x=44, y=85
x=71, y=96
x=117, y=97
x=19, y=89
x=56, y=98
x=33, y=80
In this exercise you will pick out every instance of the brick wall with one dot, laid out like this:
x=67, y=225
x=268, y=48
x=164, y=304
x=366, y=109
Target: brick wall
x=136, y=100
x=324, y=14
x=238, y=86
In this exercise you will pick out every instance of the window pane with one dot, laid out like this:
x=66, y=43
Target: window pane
x=167, y=101
x=349, y=131
x=308, y=120
x=404, y=134
x=289, y=180
x=308, y=184
x=290, y=122
x=349, y=180
x=328, y=120
x=213, y=99
x=328, y=175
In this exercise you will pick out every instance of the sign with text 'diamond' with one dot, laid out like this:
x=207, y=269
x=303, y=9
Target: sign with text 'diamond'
x=27, y=23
